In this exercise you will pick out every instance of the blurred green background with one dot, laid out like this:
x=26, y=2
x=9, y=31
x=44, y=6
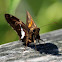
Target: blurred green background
x=43, y=12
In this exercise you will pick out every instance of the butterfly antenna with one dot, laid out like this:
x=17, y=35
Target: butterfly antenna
x=49, y=24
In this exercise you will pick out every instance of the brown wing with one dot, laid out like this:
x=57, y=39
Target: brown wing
x=29, y=22
x=11, y=20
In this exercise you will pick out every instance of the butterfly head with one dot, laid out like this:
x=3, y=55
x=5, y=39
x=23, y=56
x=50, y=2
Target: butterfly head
x=36, y=32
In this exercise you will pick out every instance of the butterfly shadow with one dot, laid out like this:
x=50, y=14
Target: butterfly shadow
x=47, y=48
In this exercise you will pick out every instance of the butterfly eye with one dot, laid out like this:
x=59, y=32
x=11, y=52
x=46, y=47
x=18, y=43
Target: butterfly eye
x=39, y=29
x=34, y=30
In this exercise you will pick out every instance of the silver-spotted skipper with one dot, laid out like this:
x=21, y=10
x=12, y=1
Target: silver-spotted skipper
x=28, y=32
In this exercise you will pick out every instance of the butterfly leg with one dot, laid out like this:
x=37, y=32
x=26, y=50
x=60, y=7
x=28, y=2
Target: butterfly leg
x=35, y=44
x=38, y=41
x=26, y=42
x=42, y=40
x=19, y=38
x=25, y=46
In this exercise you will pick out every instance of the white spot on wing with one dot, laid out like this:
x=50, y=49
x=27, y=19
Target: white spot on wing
x=22, y=32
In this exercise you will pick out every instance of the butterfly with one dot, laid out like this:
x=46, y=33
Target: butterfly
x=28, y=32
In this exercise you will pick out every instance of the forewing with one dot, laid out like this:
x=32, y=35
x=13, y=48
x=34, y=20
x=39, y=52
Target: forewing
x=11, y=20
x=29, y=22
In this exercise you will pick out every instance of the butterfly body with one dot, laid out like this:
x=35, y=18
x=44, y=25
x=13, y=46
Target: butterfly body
x=28, y=32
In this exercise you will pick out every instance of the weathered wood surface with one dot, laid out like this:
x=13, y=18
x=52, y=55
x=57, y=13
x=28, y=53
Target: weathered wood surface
x=51, y=51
